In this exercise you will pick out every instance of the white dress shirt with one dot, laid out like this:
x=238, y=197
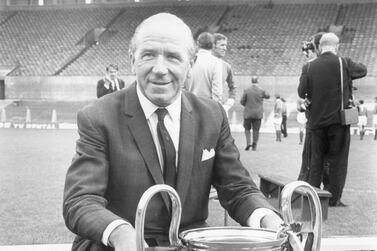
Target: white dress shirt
x=113, y=84
x=172, y=121
x=172, y=124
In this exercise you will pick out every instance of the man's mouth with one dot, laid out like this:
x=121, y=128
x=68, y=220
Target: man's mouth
x=160, y=83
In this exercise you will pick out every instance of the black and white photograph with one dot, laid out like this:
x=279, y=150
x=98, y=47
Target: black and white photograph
x=155, y=125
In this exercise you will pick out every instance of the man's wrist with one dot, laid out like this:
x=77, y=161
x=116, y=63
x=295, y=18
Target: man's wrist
x=110, y=228
x=119, y=234
x=264, y=218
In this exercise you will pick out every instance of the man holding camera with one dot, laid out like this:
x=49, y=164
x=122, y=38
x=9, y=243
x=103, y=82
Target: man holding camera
x=320, y=83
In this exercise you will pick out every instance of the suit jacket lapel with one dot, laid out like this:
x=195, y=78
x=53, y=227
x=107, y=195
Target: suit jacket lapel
x=139, y=128
x=187, y=140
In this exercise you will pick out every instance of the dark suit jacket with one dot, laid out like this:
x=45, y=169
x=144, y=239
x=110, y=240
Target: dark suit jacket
x=116, y=161
x=102, y=90
x=320, y=81
x=252, y=99
x=228, y=81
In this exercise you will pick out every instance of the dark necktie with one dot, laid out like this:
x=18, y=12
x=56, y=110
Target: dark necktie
x=167, y=149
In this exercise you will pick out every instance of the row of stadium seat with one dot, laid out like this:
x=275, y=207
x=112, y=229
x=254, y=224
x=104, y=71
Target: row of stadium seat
x=263, y=40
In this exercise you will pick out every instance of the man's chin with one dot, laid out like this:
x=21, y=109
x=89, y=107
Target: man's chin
x=161, y=100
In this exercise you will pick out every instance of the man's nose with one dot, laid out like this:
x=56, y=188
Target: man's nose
x=160, y=67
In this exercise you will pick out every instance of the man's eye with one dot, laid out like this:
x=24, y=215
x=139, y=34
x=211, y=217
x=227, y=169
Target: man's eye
x=147, y=55
x=174, y=57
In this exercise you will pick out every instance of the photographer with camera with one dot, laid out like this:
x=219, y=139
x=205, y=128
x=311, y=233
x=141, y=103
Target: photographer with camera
x=310, y=47
x=320, y=82
x=311, y=51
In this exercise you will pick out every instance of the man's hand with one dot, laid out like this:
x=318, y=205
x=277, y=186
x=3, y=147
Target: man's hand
x=271, y=221
x=229, y=102
x=123, y=238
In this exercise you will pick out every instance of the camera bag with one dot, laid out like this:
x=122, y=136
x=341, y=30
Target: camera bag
x=350, y=115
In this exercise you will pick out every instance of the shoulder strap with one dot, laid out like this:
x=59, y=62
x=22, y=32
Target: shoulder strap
x=341, y=82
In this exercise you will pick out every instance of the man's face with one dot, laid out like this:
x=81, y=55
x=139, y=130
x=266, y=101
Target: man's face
x=112, y=73
x=220, y=48
x=161, y=62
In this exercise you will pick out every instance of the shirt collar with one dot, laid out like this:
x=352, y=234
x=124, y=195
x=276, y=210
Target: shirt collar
x=174, y=109
x=204, y=51
x=328, y=50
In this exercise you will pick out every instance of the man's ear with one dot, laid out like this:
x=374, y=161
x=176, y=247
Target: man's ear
x=192, y=61
x=132, y=60
x=189, y=73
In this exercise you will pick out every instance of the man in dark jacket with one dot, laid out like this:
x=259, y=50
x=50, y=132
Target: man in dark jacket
x=252, y=99
x=154, y=133
x=320, y=83
x=110, y=83
x=220, y=46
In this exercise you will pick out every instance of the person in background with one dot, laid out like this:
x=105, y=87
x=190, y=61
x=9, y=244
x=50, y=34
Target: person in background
x=319, y=82
x=278, y=116
x=154, y=133
x=110, y=83
x=206, y=77
x=311, y=51
x=363, y=118
x=301, y=118
x=283, y=126
x=219, y=50
x=252, y=99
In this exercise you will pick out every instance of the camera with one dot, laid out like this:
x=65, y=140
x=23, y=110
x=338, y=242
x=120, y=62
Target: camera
x=303, y=105
x=307, y=103
x=307, y=46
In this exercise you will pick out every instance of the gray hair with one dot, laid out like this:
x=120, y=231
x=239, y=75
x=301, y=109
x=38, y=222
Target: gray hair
x=329, y=40
x=169, y=20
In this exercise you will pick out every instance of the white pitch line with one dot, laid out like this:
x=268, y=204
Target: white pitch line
x=349, y=244
x=344, y=243
x=40, y=247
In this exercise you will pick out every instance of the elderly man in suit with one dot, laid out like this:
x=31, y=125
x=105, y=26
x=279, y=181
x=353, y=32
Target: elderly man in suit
x=110, y=83
x=330, y=140
x=252, y=99
x=120, y=152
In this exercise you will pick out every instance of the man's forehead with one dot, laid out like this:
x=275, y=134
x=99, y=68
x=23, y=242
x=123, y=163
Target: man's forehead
x=221, y=41
x=165, y=30
x=150, y=34
x=112, y=69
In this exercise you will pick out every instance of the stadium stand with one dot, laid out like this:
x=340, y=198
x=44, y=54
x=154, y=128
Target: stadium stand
x=41, y=41
x=269, y=38
x=264, y=39
x=116, y=49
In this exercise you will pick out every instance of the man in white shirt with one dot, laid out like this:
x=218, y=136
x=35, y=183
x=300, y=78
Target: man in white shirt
x=120, y=153
x=207, y=76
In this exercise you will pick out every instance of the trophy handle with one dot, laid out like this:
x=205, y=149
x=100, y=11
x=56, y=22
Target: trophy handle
x=142, y=208
x=316, y=212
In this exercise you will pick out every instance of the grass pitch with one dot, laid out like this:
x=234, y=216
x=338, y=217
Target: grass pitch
x=33, y=164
